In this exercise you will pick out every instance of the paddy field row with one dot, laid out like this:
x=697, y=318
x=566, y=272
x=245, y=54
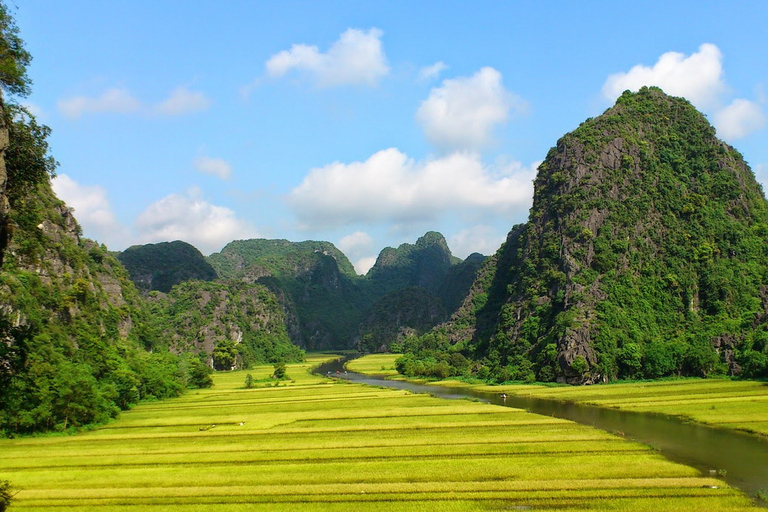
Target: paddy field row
x=311, y=443
x=740, y=405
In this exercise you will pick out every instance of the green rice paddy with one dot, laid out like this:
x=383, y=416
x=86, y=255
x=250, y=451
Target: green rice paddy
x=740, y=405
x=311, y=443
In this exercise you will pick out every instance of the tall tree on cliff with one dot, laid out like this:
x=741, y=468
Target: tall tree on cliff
x=14, y=59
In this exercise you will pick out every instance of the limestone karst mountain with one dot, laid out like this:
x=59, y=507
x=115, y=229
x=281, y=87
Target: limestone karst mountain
x=645, y=255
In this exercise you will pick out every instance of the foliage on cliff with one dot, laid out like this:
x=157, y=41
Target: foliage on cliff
x=314, y=281
x=73, y=329
x=230, y=324
x=645, y=255
x=161, y=266
x=416, y=286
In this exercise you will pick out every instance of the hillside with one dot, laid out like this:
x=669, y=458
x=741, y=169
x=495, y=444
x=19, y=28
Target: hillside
x=314, y=282
x=645, y=255
x=161, y=266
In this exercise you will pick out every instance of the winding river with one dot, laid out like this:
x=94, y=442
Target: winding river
x=742, y=458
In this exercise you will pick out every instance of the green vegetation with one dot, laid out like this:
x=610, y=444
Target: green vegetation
x=374, y=364
x=645, y=256
x=163, y=265
x=740, y=405
x=313, y=443
x=408, y=291
x=231, y=323
x=734, y=404
x=5, y=495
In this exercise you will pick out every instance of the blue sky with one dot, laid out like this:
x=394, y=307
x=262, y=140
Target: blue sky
x=362, y=123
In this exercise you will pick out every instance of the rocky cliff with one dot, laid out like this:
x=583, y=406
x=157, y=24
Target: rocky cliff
x=645, y=255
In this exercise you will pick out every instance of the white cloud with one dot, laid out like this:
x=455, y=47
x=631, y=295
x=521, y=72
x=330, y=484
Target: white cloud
x=462, y=112
x=739, y=119
x=355, y=242
x=120, y=101
x=363, y=265
x=356, y=58
x=183, y=101
x=391, y=187
x=191, y=219
x=117, y=100
x=213, y=166
x=483, y=239
x=431, y=72
x=92, y=209
x=698, y=77
x=358, y=246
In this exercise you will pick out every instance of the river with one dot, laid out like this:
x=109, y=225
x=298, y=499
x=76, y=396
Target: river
x=742, y=459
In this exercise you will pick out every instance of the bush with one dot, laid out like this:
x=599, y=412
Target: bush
x=5, y=495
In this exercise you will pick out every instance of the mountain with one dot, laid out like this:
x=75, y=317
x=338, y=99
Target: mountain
x=415, y=287
x=163, y=265
x=315, y=283
x=645, y=255
x=76, y=345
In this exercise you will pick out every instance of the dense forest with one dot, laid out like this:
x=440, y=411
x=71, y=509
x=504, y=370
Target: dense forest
x=645, y=256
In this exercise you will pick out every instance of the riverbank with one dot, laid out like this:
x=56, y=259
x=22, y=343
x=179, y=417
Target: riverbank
x=312, y=443
x=732, y=404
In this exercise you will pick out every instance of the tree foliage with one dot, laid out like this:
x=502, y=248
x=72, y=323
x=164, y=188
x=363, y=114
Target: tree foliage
x=14, y=58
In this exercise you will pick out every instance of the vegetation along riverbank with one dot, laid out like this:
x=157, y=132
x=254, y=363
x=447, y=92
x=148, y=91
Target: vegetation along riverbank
x=307, y=443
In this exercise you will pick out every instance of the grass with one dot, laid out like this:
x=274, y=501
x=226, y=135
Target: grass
x=734, y=404
x=312, y=443
x=375, y=364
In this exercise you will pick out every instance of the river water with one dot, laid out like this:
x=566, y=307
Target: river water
x=742, y=458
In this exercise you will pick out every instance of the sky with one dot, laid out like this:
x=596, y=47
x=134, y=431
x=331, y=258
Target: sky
x=365, y=124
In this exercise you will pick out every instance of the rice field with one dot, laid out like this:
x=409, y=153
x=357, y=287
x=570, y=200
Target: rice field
x=740, y=405
x=311, y=443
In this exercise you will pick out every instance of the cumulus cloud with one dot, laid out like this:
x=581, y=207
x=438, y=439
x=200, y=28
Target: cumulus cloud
x=92, y=209
x=214, y=166
x=355, y=58
x=114, y=100
x=431, y=72
x=389, y=186
x=183, y=101
x=118, y=100
x=739, y=119
x=355, y=242
x=355, y=246
x=192, y=219
x=483, y=239
x=363, y=265
x=698, y=77
x=462, y=112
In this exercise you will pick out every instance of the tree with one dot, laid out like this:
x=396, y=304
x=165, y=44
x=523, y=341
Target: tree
x=26, y=159
x=14, y=58
x=248, y=381
x=5, y=495
x=279, y=371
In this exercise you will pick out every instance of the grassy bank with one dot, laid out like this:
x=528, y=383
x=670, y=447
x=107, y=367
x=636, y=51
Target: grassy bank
x=741, y=405
x=315, y=444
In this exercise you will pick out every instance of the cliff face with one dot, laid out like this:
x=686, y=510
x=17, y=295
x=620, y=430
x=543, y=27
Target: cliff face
x=73, y=324
x=314, y=282
x=645, y=255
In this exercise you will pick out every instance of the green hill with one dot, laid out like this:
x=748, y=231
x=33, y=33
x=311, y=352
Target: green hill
x=163, y=265
x=645, y=255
